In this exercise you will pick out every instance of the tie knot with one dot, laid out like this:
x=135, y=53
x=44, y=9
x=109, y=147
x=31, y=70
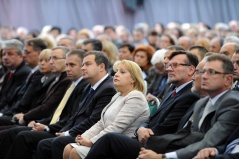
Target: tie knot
x=174, y=92
x=91, y=91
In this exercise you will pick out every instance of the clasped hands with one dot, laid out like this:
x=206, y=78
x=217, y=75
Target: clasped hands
x=80, y=140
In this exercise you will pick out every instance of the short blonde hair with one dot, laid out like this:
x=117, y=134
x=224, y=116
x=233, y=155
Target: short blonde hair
x=135, y=72
x=45, y=53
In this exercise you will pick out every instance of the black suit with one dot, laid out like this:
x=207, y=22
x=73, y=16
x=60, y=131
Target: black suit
x=10, y=88
x=165, y=120
x=23, y=100
x=51, y=100
x=86, y=115
x=29, y=139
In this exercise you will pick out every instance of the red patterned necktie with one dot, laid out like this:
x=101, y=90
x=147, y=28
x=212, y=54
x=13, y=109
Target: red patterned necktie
x=173, y=94
x=10, y=75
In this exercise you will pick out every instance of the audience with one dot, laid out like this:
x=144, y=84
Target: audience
x=24, y=88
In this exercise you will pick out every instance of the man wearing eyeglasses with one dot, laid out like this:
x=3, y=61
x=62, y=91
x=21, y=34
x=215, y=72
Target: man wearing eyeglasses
x=166, y=118
x=215, y=116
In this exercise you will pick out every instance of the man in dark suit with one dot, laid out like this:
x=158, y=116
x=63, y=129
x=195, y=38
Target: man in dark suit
x=16, y=75
x=29, y=139
x=96, y=96
x=215, y=116
x=22, y=102
x=166, y=118
x=168, y=86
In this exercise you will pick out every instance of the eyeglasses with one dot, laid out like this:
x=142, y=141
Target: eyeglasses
x=54, y=58
x=209, y=72
x=175, y=65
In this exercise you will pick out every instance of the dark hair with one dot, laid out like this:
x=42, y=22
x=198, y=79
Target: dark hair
x=227, y=63
x=202, y=51
x=99, y=58
x=109, y=27
x=175, y=47
x=96, y=44
x=36, y=43
x=153, y=33
x=129, y=46
x=191, y=58
x=80, y=54
x=56, y=28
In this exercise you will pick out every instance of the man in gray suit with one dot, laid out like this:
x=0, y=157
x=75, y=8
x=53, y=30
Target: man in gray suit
x=215, y=116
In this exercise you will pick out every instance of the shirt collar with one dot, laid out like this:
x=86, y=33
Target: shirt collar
x=182, y=86
x=99, y=82
x=214, y=100
x=77, y=81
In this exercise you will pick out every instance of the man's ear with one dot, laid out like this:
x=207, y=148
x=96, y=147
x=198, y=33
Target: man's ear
x=191, y=70
x=102, y=67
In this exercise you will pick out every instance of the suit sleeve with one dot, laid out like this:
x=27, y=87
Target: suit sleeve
x=48, y=106
x=24, y=103
x=104, y=97
x=226, y=122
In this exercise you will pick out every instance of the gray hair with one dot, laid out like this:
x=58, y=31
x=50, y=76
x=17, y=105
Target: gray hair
x=14, y=44
x=158, y=56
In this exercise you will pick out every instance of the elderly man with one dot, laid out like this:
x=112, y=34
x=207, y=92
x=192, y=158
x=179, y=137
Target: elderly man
x=15, y=77
x=215, y=114
x=166, y=118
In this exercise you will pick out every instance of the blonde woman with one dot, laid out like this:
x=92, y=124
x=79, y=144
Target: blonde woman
x=122, y=115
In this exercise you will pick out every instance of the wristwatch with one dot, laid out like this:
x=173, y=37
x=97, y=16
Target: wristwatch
x=164, y=156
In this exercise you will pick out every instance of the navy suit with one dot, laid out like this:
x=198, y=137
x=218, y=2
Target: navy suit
x=165, y=120
x=87, y=114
